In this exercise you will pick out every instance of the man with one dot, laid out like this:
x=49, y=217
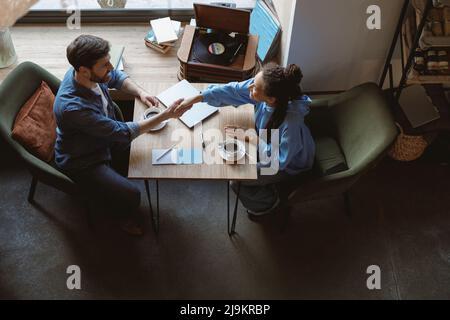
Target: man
x=92, y=146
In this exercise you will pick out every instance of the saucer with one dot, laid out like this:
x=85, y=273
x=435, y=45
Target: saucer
x=230, y=157
x=151, y=112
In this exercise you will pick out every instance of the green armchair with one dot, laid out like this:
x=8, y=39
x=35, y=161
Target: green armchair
x=15, y=90
x=352, y=130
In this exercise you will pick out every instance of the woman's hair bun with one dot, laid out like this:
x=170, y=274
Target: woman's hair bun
x=293, y=73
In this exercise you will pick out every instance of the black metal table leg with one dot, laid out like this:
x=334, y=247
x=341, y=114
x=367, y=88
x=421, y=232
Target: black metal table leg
x=231, y=230
x=156, y=220
x=147, y=190
x=34, y=182
x=228, y=207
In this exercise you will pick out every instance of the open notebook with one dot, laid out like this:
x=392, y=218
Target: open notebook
x=184, y=89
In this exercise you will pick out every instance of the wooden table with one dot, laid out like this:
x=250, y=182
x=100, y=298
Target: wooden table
x=213, y=167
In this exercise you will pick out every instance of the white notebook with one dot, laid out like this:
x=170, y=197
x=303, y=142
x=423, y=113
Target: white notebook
x=163, y=30
x=184, y=89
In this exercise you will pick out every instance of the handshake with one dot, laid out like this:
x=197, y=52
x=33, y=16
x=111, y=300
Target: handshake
x=179, y=107
x=176, y=110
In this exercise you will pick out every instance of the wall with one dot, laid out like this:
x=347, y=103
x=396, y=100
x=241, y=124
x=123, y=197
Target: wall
x=330, y=41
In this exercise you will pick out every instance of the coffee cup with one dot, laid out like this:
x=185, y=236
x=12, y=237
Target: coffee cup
x=232, y=150
x=151, y=112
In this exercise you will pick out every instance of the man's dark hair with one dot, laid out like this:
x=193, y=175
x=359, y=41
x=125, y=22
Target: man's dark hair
x=86, y=50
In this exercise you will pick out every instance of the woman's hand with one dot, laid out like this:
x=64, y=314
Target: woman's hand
x=240, y=133
x=188, y=102
x=177, y=109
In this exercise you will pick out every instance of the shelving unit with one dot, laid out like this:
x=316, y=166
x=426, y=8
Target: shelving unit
x=409, y=30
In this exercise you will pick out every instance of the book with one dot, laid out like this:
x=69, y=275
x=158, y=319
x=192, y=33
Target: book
x=163, y=30
x=157, y=47
x=267, y=26
x=418, y=106
x=150, y=42
x=177, y=28
x=150, y=39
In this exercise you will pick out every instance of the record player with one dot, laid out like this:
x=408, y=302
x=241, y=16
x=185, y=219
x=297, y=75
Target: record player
x=219, y=48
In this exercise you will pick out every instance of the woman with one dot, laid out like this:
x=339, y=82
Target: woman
x=279, y=104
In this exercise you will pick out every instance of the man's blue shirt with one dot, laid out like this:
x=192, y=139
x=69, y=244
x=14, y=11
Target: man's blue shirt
x=85, y=134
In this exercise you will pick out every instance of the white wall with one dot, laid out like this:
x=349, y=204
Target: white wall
x=285, y=10
x=330, y=41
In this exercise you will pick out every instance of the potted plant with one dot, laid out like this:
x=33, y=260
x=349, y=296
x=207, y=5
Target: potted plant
x=11, y=11
x=105, y=4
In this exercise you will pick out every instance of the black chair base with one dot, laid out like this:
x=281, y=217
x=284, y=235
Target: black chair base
x=85, y=201
x=32, y=191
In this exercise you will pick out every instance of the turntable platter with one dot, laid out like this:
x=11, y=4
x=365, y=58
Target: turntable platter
x=216, y=48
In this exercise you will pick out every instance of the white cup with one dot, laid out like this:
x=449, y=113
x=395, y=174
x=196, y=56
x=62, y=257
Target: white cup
x=151, y=112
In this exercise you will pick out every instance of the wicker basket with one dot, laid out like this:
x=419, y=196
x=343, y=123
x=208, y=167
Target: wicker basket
x=407, y=148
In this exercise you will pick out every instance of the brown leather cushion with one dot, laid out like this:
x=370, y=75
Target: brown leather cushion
x=35, y=125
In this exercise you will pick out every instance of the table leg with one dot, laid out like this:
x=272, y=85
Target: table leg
x=228, y=208
x=147, y=190
x=156, y=220
x=233, y=223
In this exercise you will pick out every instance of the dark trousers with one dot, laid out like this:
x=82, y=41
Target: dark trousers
x=260, y=195
x=106, y=184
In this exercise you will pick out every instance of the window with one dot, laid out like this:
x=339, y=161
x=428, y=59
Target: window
x=119, y=10
x=130, y=4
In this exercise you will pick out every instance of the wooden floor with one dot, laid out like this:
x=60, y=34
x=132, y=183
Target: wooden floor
x=46, y=46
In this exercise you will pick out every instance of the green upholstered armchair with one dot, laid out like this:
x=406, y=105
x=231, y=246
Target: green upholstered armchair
x=15, y=90
x=352, y=131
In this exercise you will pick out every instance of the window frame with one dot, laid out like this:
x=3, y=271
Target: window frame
x=111, y=15
x=106, y=15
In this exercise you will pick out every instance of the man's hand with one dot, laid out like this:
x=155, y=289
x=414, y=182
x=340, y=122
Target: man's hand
x=148, y=100
x=177, y=109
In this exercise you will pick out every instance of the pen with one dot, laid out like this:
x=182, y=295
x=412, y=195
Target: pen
x=167, y=151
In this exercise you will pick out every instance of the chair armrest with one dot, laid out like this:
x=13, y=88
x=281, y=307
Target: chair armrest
x=118, y=112
x=320, y=103
x=46, y=173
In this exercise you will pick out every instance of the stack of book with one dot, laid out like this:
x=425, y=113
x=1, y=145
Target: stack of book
x=265, y=23
x=163, y=34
